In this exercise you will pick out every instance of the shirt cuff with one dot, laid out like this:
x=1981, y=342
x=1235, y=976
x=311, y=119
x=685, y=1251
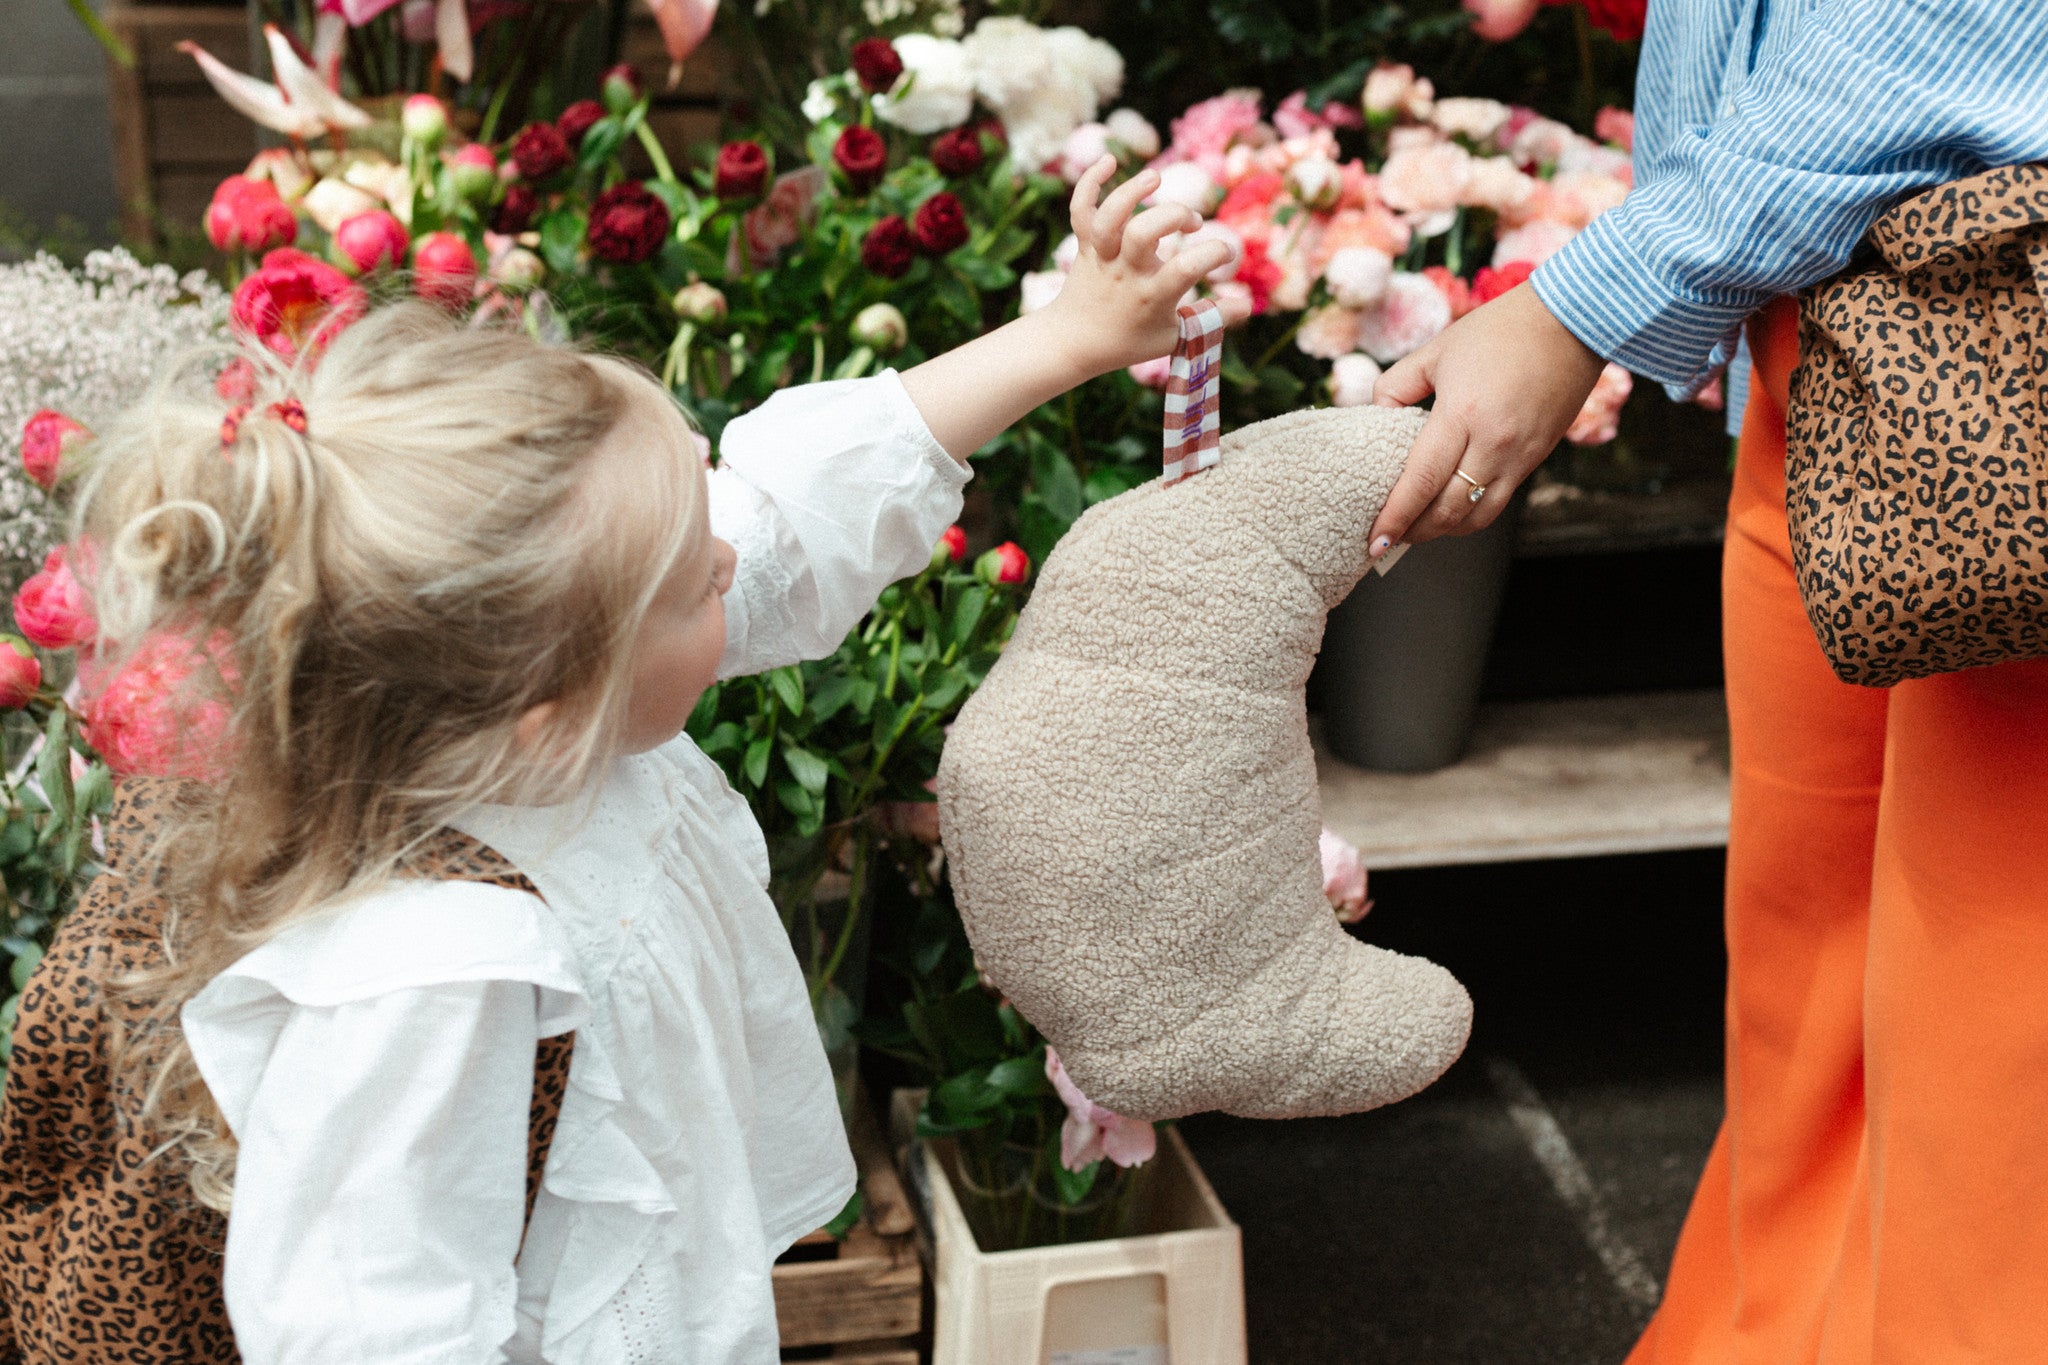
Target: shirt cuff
x=1606, y=295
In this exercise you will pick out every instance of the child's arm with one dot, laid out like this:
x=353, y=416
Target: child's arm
x=1120, y=306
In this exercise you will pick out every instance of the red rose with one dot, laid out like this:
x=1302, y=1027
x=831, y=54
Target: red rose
x=294, y=301
x=20, y=673
x=540, y=152
x=954, y=542
x=627, y=224
x=1489, y=284
x=959, y=152
x=876, y=63
x=889, y=248
x=516, y=212
x=578, y=119
x=247, y=215
x=52, y=608
x=369, y=240
x=444, y=269
x=1004, y=564
x=742, y=170
x=862, y=157
x=941, y=225
x=45, y=440
x=1623, y=19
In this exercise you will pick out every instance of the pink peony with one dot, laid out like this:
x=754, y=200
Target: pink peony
x=1413, y=311
x=1092, y=1132
x=1352, y=378
x=1328, y=333
x=1358, y=276
x=21, y=673
x=52, y=608
x=779, y=221
x=248, y=215
x=1317, y=182
x=1393, y=91
x=370, y=241
x=1426, y=180
x=1540, y=142
x=1187, y=183
x=294, y=302
x=1007, y=564
x=46, y=438
x=1133, y=133
x=1319, y=144
x=1344, y=878
x=1372, y=227
x=1534, y=243
x=1085, y=146
x=156, y=716
x=1153, y=373
x=1497, y=185
x=1295, y=119
x=1599, y=420
x=1249, y=205
x=1475, y=120
x=1499, y=20
x=444, y=269
x=1456, y=292
x=1576, y=199
x=1617, y=126
x=1206, y=131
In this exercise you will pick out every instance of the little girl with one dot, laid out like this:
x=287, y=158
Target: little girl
x=464, y=590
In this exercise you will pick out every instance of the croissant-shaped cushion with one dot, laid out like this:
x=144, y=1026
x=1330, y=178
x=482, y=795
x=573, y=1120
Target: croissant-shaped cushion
x=1129, y=804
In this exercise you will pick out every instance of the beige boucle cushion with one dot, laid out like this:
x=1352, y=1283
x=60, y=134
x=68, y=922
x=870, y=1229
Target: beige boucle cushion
x=1130, y=809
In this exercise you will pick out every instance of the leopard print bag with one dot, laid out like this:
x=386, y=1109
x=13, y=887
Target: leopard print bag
x=1917, y=445
x=104, y=1254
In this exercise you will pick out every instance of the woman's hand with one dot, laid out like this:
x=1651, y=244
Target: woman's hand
x=1508, y=379
x=1121, y=302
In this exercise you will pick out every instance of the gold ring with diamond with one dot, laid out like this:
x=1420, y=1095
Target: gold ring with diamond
x=1478, y=488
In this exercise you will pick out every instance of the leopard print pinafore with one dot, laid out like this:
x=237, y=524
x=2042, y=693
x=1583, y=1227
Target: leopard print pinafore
x=104, y=1254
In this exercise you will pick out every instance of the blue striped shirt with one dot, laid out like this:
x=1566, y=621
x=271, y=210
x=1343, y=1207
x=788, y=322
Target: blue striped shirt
x=1769, y=135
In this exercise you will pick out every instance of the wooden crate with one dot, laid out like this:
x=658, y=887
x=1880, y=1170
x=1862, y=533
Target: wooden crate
x=174, y=139
x=864, y=1296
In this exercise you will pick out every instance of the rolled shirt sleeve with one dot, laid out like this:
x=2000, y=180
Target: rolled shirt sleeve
x=1848, y=106
x=828, y=493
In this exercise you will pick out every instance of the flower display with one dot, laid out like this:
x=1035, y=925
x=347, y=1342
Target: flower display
x=46, y=438
x=249, y=215
x=741, y=171
x=1043, y=83
x=156, y=714
x=627, y=224
x=939, y=93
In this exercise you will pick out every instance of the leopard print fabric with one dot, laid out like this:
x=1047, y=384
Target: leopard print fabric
x=104, y=1254
x=1917, y=474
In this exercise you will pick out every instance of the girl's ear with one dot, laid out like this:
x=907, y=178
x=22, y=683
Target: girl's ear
x=533, y=723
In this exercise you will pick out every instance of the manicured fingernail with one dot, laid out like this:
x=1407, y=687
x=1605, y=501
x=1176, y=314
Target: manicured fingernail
x=1381, y=546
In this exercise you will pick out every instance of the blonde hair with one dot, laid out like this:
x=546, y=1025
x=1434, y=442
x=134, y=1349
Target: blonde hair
x=395, y=579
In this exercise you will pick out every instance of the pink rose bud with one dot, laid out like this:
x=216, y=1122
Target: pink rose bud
x=248, y=215
x=1316, y=181
x=475, y=172
x=370, y=241
x=951, y=549
x=701, y=302
x=1007, y=563
x=20, y=673
x=444, y=269
x=881, y=326
x=52, y=608
x=424, y=120
x=45, y=440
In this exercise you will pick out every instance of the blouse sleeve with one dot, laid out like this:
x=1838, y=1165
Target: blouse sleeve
x=380, y=1102
x=828, y=493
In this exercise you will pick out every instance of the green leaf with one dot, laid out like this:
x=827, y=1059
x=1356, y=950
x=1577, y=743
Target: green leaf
x=807, y=768
x=967, y=615
x=846, y=1219
x=53, y=766
x=1108, y=481
x=1021, y=1077
x=16, y=839
x=983, y=273
x=953, y=294
x=1071, y=1186
x=829, y=697
x=561, y=240
x=600, y=143
x=789, y=688
x=1055, y=479
x=756, y=767
x=24, y=963
x=7, y=1012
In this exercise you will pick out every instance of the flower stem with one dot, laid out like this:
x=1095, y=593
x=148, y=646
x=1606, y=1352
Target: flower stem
x=662, y=170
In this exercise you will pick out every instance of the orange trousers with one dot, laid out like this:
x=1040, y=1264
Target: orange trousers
x=1879, y=1188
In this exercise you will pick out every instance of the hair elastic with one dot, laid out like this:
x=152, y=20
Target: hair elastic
x=231, y=425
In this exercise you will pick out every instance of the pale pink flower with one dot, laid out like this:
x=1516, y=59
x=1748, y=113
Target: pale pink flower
x=1185, y=182
x=1412, y=137
x=1134, y=133
x=1413, y=311
x=1387, y=87
x=1369, y=227
x=1534, y=242
x=1316, y=182
x=1240, y=162
x=1206, y=131
x=1153, y=373
x=1351, y=383
x=1039, y=288
x=1582, y=155
x=1085, y=146
x=1344, y=876
x=1421, y=99
x=331, y=202
x=1432, y=224
x=1092, y=1132
x=1499, y=20
x=1358, y=276
x=1066, y=253
x=1540, y=142
x=1576, y=199
x=779, y=220
x=1599, y=420
x=1329, y=332
x=160, y=714
x=1426, y=180
x=1294, y=118
x=1538, y=204
x=1496, y=184
x=1475, y=120
x=1317, y=144
x=1617, y=126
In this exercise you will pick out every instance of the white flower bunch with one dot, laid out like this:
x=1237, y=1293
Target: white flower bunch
x=86, y=343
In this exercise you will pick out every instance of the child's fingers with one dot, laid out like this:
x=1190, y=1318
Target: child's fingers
x=1193, y=264
x=1148, y=229
x=1108, y=228
x=1087, y=190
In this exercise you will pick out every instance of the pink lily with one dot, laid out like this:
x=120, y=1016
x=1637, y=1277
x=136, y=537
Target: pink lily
x=1092, y=1132
x=684, y=25
x=451, y=29
x=300, y=105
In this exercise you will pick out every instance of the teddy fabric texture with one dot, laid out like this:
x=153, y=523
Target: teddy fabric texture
x=1130, y=803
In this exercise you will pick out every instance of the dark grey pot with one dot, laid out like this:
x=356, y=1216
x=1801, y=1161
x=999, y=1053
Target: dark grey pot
x=1403, y=656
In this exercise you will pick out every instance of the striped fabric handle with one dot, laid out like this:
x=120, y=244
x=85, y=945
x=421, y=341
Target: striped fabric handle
x=1194, y=382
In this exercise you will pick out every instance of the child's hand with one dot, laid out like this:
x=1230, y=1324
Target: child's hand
x=1121, y=302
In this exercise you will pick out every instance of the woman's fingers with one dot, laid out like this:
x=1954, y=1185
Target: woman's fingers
x=1108, y=228
x=1148, y=229
x=1407, y=383
x=1420, y=488
x=1087, y=191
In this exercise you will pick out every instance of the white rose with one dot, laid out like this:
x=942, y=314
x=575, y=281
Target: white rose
x=1095, y=61
x=1184, y=182
x=1039, y=288
x=1009, y=57
x=936, y=90
x=820, y=103
x=1358, y=276
x=1135, y=132
x=1352, y=378
x=1387, y=88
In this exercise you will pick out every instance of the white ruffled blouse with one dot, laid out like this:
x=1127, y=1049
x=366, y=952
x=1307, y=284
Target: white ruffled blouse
x=376, y=1063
